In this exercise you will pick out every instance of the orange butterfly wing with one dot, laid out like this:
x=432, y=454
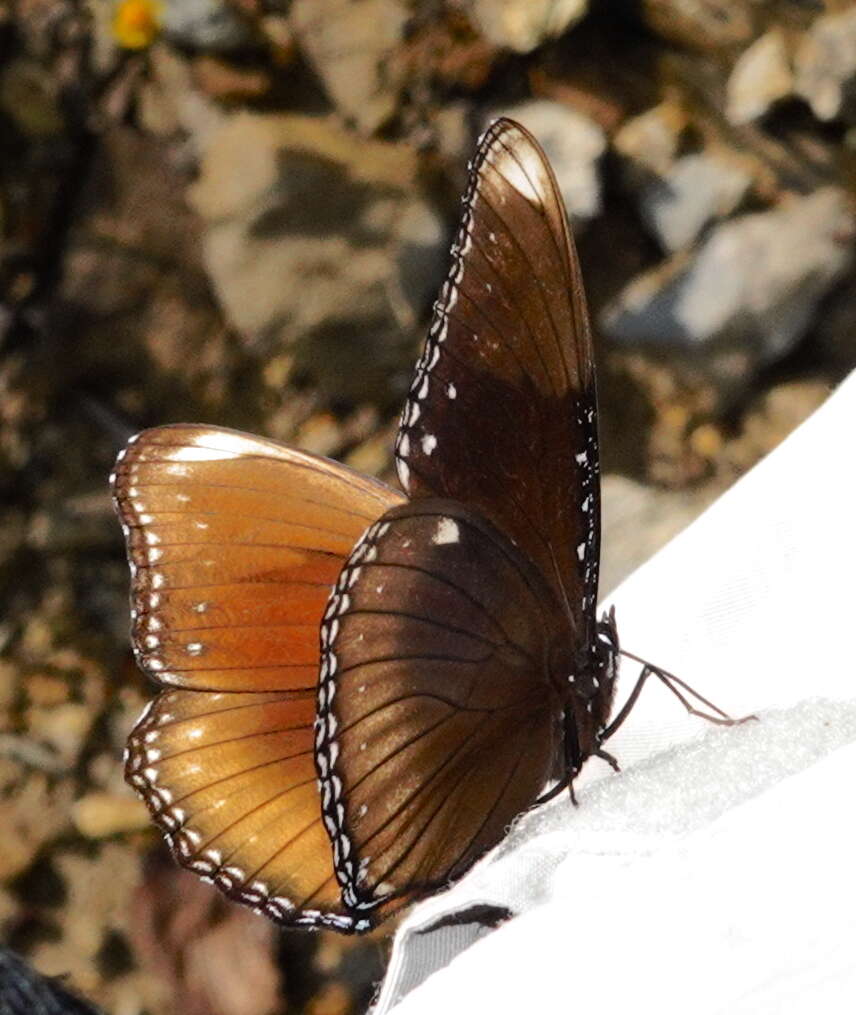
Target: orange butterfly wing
x=234, y=543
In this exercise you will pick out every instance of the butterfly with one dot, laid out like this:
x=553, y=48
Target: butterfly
x=361, y=690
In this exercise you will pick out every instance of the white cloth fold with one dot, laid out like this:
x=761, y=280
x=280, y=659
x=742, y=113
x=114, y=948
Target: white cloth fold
x=715, y=873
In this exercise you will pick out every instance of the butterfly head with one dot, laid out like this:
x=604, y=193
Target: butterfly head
x=606, y=644
x=605, y=650
x=590, y=687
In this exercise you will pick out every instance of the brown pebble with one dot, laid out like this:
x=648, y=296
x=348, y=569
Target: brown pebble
x=100, y=815
x=45, y=689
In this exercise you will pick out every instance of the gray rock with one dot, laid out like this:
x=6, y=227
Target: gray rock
x=574, y=145
x=826, y=66
x=317, y=241
x=761, y=77
x=749, y=293
x=352, y=47
x=205, y=24
x=695, y=190
x=522, y=25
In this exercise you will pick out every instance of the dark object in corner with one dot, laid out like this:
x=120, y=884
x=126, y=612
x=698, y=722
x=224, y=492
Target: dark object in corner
x=23, y=991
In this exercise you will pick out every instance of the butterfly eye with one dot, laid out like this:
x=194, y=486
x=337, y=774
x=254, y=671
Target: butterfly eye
x=607, y=633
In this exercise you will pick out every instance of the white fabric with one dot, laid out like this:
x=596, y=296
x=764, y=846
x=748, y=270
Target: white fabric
x=715, y=873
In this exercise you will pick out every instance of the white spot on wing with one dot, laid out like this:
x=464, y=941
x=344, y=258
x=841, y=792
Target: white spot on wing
x=403, y=471
x=447, y=532
x=522, y=169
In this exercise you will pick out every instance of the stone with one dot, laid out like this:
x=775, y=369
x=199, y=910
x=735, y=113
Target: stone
x=373, y=456
x=46, y=689
x=99, y=887
x=318, y=242
x=320, y=435
x=28, y=95
x=169, y=101
x=352, y=47
x=648, y=143
x=205, y=24
x=695, y=190
x=228, y=83
x=101, y=815
x=761, y=77
x=701, y=24
x=750, y=292
x=279, y=35
x=63, y=728
x=574, y=145
x=825, y=64
x=31, y=817
x=523, y=25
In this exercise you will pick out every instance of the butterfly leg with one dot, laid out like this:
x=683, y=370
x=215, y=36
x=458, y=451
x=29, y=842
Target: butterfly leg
x=573, y=762
x=608, y=758
x=721, y=718
x=573, y=754
x=627, y=707
x=674, y=684
x=552, y=792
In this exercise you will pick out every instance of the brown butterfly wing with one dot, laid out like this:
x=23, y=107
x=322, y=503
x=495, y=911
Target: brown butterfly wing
x=234, y=543
x=437, y=721
x=502, y=410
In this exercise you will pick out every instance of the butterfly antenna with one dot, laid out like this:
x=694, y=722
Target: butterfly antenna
x=677, y=687
x=109, y=422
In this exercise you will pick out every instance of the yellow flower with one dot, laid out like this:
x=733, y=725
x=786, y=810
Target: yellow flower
x=136, y=23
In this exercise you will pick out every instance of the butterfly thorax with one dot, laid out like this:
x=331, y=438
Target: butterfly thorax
x=585, y=679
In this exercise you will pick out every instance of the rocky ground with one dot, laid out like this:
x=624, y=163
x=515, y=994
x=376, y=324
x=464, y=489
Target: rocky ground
x=238, y=211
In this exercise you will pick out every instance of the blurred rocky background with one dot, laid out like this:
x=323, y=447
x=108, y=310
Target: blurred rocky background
x=238, y=212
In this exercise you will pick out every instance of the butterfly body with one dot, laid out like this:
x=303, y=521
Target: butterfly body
x=461, y=667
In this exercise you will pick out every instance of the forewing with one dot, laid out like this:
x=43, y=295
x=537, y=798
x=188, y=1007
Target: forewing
x=234, y=543
x=437, y=724
x=501, y=413
x=230, y=779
